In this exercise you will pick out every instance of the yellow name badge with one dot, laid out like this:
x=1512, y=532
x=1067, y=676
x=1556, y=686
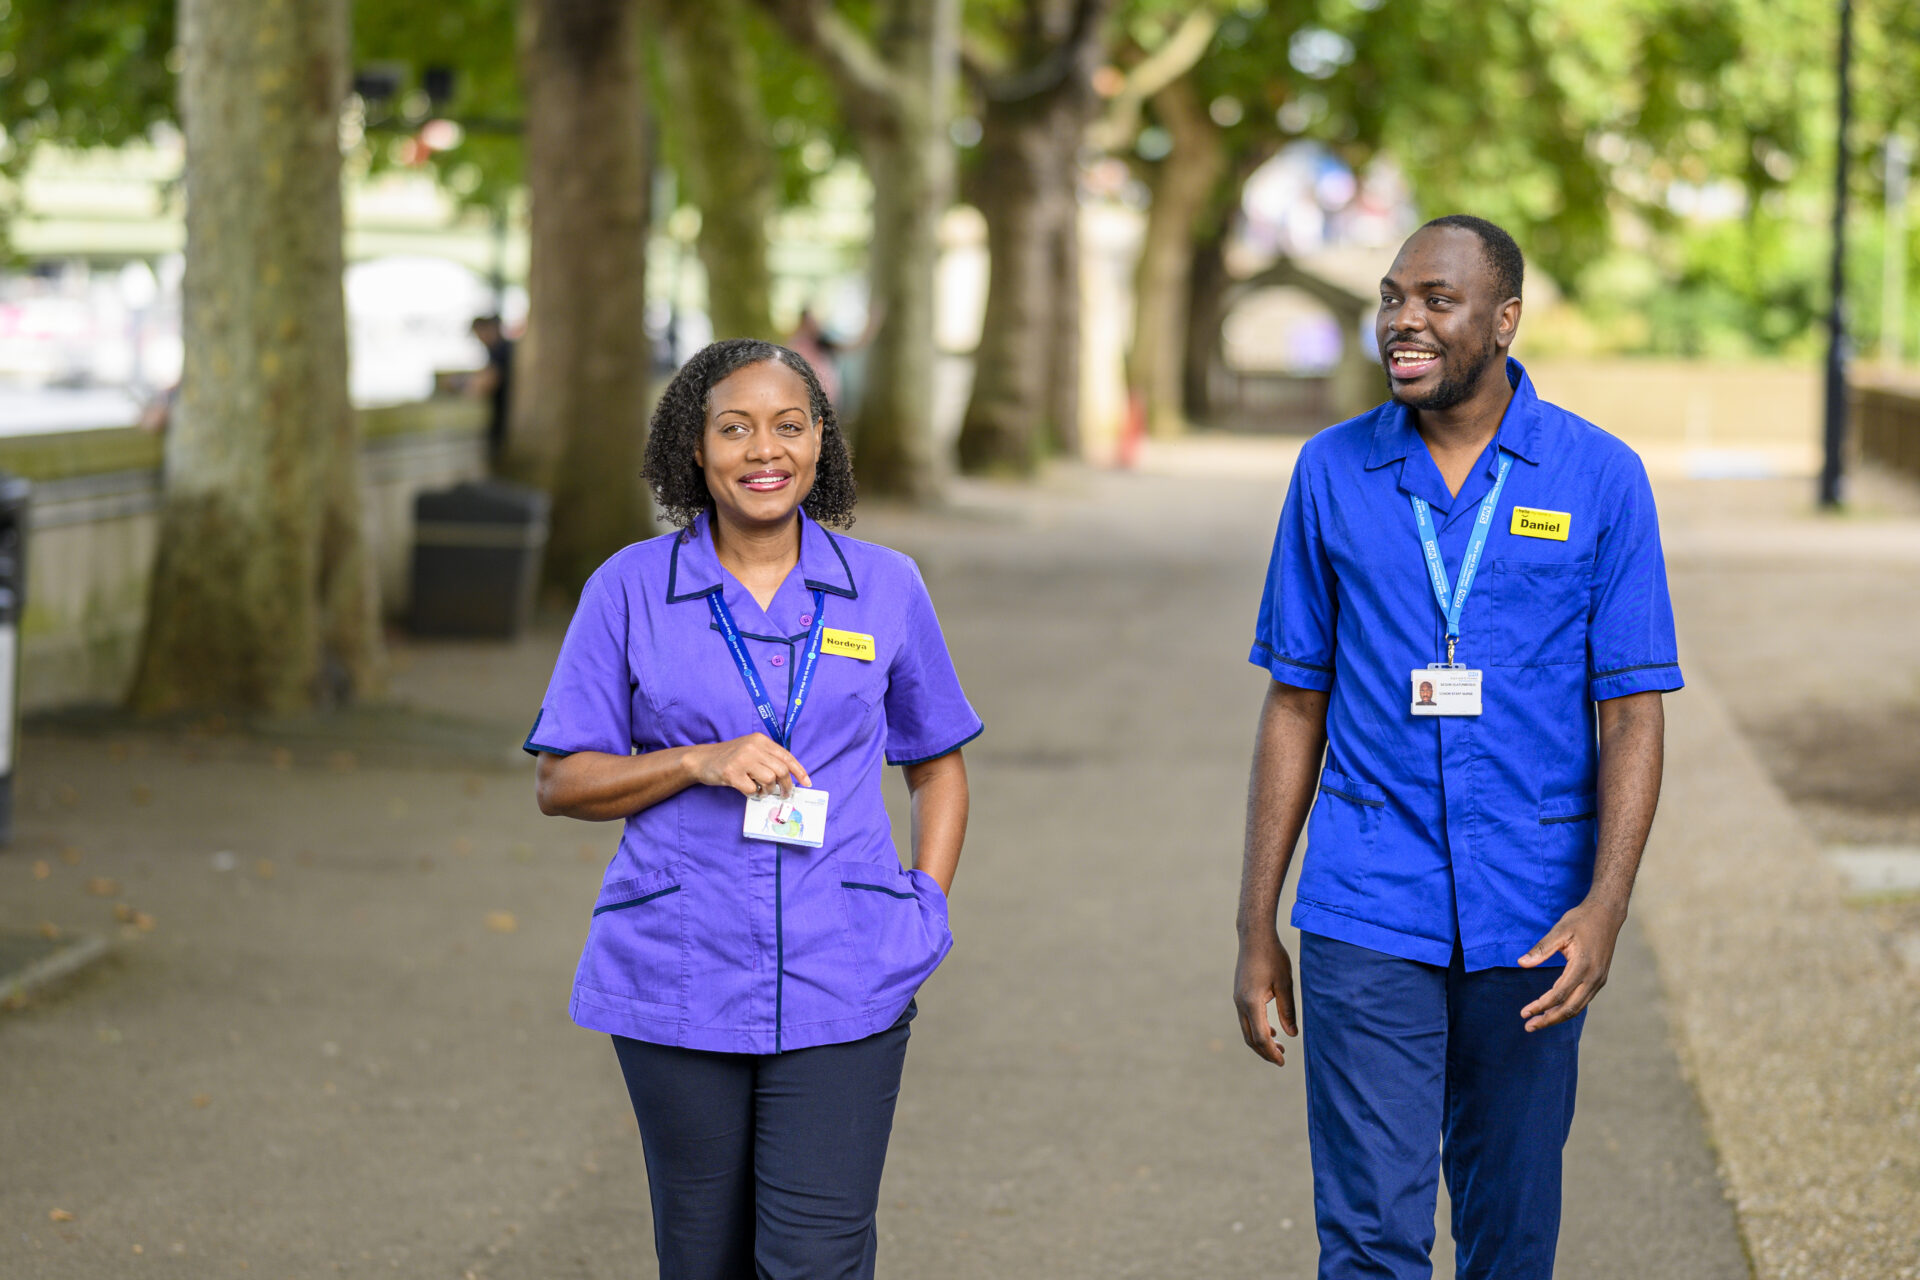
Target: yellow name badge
x=1529, y=523
x=851, y=644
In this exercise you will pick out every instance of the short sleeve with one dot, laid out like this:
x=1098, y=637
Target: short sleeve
x=1293, y=637
x=927, y=713
x=1630, y=643
x=589, y=702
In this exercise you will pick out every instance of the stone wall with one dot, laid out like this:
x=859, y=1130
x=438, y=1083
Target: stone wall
x=94, y=526
x=1886, y=420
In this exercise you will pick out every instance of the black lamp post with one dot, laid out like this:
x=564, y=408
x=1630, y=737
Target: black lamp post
x=1836, y=416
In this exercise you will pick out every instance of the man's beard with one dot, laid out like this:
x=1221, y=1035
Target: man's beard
x=1463, y=375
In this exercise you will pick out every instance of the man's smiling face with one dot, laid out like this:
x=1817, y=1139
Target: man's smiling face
x=1441, y=325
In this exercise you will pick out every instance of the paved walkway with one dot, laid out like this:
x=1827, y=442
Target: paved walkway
x=333, y=1041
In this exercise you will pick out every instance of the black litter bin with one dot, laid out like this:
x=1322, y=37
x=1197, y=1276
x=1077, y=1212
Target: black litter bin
x=15, y=494
x=476, y=559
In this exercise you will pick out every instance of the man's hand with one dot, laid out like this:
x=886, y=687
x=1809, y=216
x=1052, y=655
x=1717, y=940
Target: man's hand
x=1585, y=935
x=1265, y=972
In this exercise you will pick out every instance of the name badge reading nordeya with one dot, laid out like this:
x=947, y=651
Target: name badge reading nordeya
x=800, y=818
x=848, y=644
x=1443, y=690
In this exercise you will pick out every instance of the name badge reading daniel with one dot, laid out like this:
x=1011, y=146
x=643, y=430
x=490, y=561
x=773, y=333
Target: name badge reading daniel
x=800, y=818
x=1441, y=690
x=848, y=644
x=1531, y=523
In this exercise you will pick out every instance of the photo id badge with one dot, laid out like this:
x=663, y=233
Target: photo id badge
x=800, y=818
x=1442, y=690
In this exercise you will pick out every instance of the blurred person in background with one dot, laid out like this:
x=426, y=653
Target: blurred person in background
x=730, y=692
x=810, y=341
x=494, y=384
x=1487, y=758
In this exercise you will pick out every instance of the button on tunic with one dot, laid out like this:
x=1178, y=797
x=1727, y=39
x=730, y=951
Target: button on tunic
x=1475, y=828
x=701, y=937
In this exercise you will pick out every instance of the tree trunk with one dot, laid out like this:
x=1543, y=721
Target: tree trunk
x=579, y=422
x=1026, y=382
x=1182, y=186
x=1005, y=429
x=725, y=156
x=261, y=598
x=1207, y=285
x=909, y=157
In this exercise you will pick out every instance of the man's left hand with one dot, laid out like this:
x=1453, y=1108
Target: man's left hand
x=1585, y=935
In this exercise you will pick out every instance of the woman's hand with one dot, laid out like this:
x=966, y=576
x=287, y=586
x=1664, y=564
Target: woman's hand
x=753, y=765
x=599, y=787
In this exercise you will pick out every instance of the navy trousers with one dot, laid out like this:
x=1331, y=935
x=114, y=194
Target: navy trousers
x=1414, y=1068
x=765, y=1167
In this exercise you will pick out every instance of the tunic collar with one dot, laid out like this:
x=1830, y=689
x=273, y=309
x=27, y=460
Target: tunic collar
x=1396, y=440
x=694, y=570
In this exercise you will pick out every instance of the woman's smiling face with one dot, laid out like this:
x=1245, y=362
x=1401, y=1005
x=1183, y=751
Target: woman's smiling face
x=761, y=444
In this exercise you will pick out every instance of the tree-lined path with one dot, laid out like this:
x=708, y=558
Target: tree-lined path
x=339, y=1044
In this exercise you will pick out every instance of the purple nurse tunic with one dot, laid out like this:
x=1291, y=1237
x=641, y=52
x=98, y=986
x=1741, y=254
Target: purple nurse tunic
x=703, y=938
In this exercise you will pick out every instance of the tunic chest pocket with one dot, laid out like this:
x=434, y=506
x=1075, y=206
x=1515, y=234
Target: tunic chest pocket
x=1539, y=612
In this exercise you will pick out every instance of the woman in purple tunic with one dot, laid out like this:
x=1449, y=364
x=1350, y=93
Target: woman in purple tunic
x=756, y=946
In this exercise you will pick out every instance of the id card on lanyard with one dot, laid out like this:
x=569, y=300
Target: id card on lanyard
x=802, y=817
x=1451, y=688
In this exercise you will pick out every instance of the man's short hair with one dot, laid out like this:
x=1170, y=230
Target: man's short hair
x=1503, y=255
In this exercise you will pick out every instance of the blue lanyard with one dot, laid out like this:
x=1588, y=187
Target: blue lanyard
x=750, y=675
x=1451, y=600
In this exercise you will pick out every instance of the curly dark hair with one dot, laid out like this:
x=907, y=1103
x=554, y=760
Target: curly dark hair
x=680, y=420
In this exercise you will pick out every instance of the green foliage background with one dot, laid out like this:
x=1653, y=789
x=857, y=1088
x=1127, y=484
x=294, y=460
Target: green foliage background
x=1579, y=123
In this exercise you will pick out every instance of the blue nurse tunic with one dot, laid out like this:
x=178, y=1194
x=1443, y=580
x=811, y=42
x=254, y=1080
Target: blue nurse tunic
x=1475, y=829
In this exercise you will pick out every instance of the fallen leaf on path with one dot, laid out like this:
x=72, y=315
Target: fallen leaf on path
x=70, y=856
x=203, y=1100
x=102, y=887
x=502, y=921
x=142, y=793
x=50, y=931
x=41, y=870
x=123, y=913
x=59, y=1215
x=264, y=868
x=473, y=786
x=139, y=1248
x=462, y=846
x=144, y=922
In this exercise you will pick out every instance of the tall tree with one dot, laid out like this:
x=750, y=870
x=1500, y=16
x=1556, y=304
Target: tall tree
x=723, y=151
x=1037, y=102
x=896, y=90
x=262, y=599
x=581, y=393
x=1182, y=187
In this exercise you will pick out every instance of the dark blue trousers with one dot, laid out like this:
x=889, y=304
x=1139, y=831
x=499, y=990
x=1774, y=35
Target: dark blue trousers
x=1415, y=1068
x=765, y=1167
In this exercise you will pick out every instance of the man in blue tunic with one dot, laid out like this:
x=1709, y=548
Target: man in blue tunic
x=1467, y=625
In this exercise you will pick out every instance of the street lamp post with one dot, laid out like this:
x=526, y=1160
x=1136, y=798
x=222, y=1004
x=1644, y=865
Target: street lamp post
x=1836, y=415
